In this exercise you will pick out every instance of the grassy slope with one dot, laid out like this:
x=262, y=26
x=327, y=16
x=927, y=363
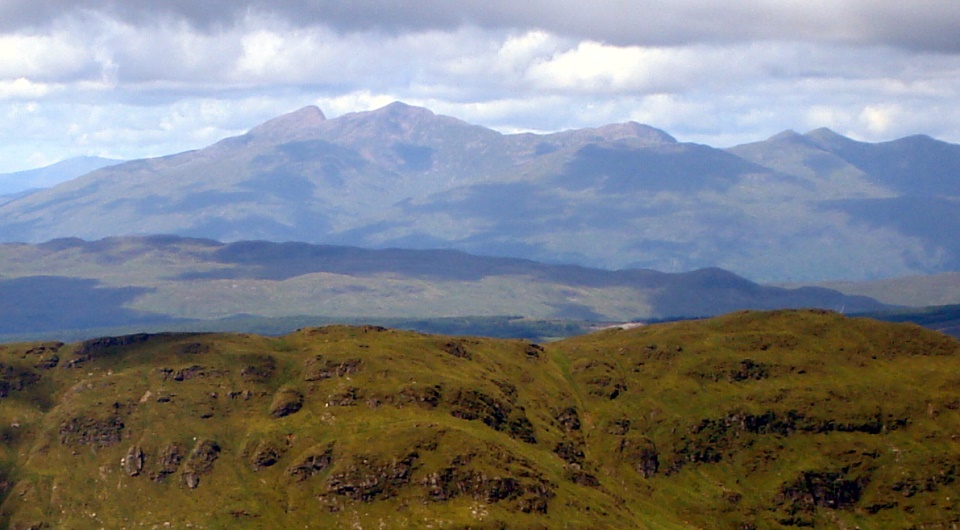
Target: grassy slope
x=764, y=419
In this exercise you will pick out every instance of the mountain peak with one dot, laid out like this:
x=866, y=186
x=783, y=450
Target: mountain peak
x=825, y=135
x=790, y=137
x=788, y=134
x=399, y=107
x=632, y=129
x=621, y=131
x=401, y=112
x=400, y=122
x=298, y=121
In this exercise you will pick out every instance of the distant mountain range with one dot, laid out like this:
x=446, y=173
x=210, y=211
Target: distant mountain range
x=795, y=207
x=70, y=284
x=20, y=182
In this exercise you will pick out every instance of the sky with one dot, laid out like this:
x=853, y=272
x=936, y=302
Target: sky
x=137, y=78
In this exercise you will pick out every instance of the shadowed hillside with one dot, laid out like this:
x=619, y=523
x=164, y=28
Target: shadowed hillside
x=71, y=283
x=749, y=420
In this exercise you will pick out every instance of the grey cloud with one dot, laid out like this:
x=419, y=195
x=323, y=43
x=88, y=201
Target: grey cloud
x=920, y=25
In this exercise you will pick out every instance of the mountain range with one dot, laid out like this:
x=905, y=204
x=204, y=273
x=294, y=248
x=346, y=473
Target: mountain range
x=165, y=281
x=795, y=207
x=31, y=180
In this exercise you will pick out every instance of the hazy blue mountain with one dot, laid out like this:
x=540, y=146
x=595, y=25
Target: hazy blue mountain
x=72, y=284
x=913, y=166
x=44, y=177
x=794, y=207
x=5, y=198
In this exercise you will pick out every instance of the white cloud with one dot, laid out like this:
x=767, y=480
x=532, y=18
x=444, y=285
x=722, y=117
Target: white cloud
x=117, y=79
x=41, y=57
x=22, y=88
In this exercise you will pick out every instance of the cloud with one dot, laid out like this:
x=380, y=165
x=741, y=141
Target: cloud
x=129, y=79
x=22, y=89
x=920, y=24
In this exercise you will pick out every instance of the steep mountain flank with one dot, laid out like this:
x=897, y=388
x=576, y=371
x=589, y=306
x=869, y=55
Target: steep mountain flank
x=750, y=420
x=908, y=187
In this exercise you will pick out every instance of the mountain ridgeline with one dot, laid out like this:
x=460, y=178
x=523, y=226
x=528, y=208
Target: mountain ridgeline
x=785, y=419
x=795, y=207
x=165, y=281
x=24, y=182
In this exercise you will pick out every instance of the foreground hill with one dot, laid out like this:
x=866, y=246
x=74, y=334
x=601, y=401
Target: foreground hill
x=70, y=284
x=750, y=420
x=792, y=208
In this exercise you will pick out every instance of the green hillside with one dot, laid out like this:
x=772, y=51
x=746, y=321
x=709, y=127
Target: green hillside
x=749, y=420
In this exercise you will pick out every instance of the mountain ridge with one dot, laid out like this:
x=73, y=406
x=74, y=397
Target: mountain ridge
x=809, y=207
x=157, y=279
x=34, y=179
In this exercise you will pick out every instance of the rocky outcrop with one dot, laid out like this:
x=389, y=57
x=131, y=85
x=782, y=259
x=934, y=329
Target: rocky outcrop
x=168, y=461
x=494, y=413
x=818, y=489
x=48, y=362
x=602, y=379
x=569, y=419
x=14, y=379
x=747, y=370
x=426, y=397
x=93, y=431
x=313, y=461
x=286, y=401
x=367, y=479
x=45, y=355
x=267, y=453
x=517, y=483
x=641, y=454
x=318, y=369
x=132, y=462
x=200, y=462
x=348, y=398
x=190, y=372
x=457, y=348
x=259, y=368
x=533, y=350
x=910, y=485
x=90, y=349
x=711, y=439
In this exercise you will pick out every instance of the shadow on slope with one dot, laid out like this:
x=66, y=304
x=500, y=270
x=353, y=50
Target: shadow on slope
x=41, y=303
